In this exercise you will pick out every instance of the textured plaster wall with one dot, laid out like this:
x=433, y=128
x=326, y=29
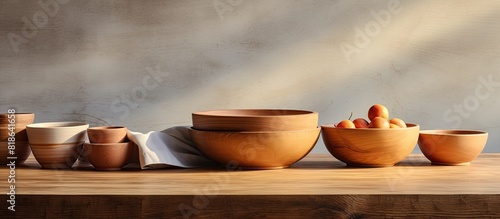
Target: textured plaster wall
x=149, y=64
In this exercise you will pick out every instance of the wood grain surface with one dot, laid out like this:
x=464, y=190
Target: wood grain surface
x=254, y=206
x=315, y=174
x=316, y=187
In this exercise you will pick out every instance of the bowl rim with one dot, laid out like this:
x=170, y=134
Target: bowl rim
x=108, y=144
x=408, y=126
x=453, y=132
x=255, y=132
x=298, y=112
x=22, y=113
x=110, y=127
x=57, y=125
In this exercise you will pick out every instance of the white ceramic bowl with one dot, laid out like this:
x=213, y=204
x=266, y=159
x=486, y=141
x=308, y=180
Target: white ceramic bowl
x=57, y=132
x=57, y=144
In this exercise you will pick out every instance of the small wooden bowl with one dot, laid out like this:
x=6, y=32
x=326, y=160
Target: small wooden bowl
x=22, y=152
x=21, y=119
x=255, y=150
x=370, y=147
x=20, y=134
x=107, y=134
x=255, y=120
x=452, y=147
x=108, y=156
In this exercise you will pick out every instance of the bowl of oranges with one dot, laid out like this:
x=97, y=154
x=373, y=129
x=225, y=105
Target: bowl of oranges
x=377, y=142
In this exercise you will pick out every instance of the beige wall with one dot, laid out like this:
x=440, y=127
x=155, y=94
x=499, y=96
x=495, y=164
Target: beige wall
x=149, y=64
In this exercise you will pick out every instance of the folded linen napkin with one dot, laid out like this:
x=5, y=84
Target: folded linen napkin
x=170, y=147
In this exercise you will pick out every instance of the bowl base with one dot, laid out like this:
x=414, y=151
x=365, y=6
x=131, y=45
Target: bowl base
x=451, y=164
x=109, y=169
x=18, y=161
x=369, y=165
x=264, y=168
x=56, y=166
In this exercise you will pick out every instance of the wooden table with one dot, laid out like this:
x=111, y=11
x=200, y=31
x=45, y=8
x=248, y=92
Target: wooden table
x=316, y=187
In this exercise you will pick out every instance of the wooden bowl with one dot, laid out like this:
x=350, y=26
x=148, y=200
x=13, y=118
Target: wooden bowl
x=255, y=150
x=21, y=119
x=370, y=147
x=22, y=152
x=107, y=134
x=20, y=134
x=255, y=120
x=108, y=156
x=57, y=144
x=452, y=147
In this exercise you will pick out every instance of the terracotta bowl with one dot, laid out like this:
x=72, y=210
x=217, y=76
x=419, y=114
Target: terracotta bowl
x=255, y=150
x=22, y=152
x=108, y=156
x=452, y=147
x=57, y=144
x=20, y=122
x=255, y=120
x=21, y=119
x=22, y=149
x=370, y=147
x=107, y=134
x=20, y=134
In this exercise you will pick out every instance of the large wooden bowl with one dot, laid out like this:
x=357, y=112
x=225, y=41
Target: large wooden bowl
x=452, y=147
x=255, y=120
x=255, y=150
x=370, y=147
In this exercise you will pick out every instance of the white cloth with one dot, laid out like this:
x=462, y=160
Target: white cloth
x=170, y=147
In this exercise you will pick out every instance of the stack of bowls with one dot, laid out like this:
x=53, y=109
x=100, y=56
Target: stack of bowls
x=109, y=147
x=22, y=150
x=255, y=138
x=57, y=145
x=370, y=147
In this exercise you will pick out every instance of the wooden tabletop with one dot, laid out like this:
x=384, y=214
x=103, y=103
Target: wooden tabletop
x=315, y=174
x=321, y=176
